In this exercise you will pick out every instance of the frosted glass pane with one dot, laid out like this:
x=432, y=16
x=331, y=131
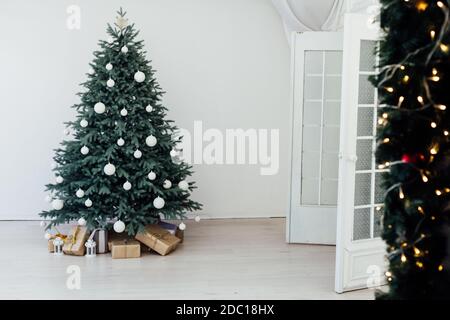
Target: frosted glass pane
x=330, y=139
x=364, y=154
x=362, y=189
x=311, y=139
x=311, y=113
x=333, y=62
x=313, y=88
x=361, y=224
x=330, y=165
x=332, y=87
x=366, y=94
x=367, y=55
x=314, y=62
x=377, y=222
x=310, y=191
x=310, y=164
x=328, y=195
x=365, y=122
x=379, y=190
x=331, y=113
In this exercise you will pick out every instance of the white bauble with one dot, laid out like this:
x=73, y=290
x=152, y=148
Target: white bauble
x=43, y=223
x=197, y=219
x=124, y=49
x=173, y=153
x=183, y=185
x=79, y=193
x=110, y=40
x=66, y=132
x=127, y=186
x=48, y=198
x=110, y=83
x=84, y=123
x=149, y=108
x=139, y=76
x=84, y=150
x=137, y=154
x=151, y=176
x=151, y=141
x=119, y=226
x=57, y=204
x=109, y=67
x=109, y=169
x=59, y=179
x=159, y=203
x=120, y=142
x=99, y=107
x=47, y=236
x=123, y=112
x=88, y=203
x=167, y=184
x=182, y=226
x=82, y=221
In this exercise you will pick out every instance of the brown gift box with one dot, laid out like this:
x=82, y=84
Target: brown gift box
x=74, y=243
x=114, y=236
x=123, y=249
x=51, y=248
x=158, y=239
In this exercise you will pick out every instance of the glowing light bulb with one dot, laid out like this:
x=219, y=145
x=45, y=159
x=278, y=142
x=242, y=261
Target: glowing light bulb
x=441, y=107
x=435, y=78
x=440, y=267
x=389, y=89
x=438, y=192
x=424, y=178
x=402, y=67
x=443, y=47
x=434, y=71
x=403, y=258
x=432, y=34
x=386, y=140
x=401, y=195
x=445, y=133
x=388, y=274
x=440, y=4
x=419, y=264
x=416, y=251
x=433, y=124
x=420, y=99
x=400, y=100
x=385, y=115
x=420, y=209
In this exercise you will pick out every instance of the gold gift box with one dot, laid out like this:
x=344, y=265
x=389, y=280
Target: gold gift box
x=125, y=249
x=74, y=243
x=158, y=239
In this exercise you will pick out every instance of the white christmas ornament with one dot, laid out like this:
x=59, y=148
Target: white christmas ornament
x=59, y=179
x=197, y=219
x=151, y=141
x=57, y=204
x=120, y=142
x=110, y=83
x=137, y=154
x=151, y=175
x=182, y=226
x=139, y=76
x=47, y=236
x=84, y=150
x=173, y=153
x=159, y=203
x=88, y=203
x=149, y=108
x=109, y=169
x=80, y=193
x=127, y=186
x=48, y=199
x=167, y=184
x=119, y=226
x=99, y=107
x=109, y=67
x=66, y=132
x=43, y=223
x=124, y=49
x=83, y=123
x=123, y=112
x=82, y=221
x=183, y=185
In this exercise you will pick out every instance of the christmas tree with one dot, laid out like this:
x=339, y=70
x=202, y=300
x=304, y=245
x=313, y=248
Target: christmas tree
x=413, y=143
x=122, y=164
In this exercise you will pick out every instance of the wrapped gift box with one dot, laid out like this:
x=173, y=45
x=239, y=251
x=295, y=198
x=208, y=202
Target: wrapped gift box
x=159, y=239
x=114, y=236
x=125, y=249
x=173, y=229
x=74, y=243
x=100, y=237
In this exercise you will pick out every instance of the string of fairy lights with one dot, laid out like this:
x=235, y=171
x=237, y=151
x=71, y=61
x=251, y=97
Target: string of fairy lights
x=400, y=70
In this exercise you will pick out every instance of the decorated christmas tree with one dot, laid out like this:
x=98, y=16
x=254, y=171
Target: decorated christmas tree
x=122, y=164
x=413, y=143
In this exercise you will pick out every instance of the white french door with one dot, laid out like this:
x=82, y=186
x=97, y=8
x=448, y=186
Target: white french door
x=317, y=70
x=360, y=250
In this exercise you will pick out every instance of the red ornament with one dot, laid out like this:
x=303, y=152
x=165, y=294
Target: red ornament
x=413, y=158
x=406, y=158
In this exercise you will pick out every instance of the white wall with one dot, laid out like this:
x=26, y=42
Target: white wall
x=225, y=62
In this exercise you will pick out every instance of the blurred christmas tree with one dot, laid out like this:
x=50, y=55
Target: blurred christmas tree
x=122, y=164
x=414, y=144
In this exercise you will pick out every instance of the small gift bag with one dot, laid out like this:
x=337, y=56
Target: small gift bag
x=100, y=237
x=74, y=244
x=125, y=249
x=158, y=239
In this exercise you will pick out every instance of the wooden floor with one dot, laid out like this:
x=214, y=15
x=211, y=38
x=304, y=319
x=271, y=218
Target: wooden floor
x=220, y=259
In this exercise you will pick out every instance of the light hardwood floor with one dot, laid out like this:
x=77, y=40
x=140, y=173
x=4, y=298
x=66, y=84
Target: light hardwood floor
x=220, y=259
